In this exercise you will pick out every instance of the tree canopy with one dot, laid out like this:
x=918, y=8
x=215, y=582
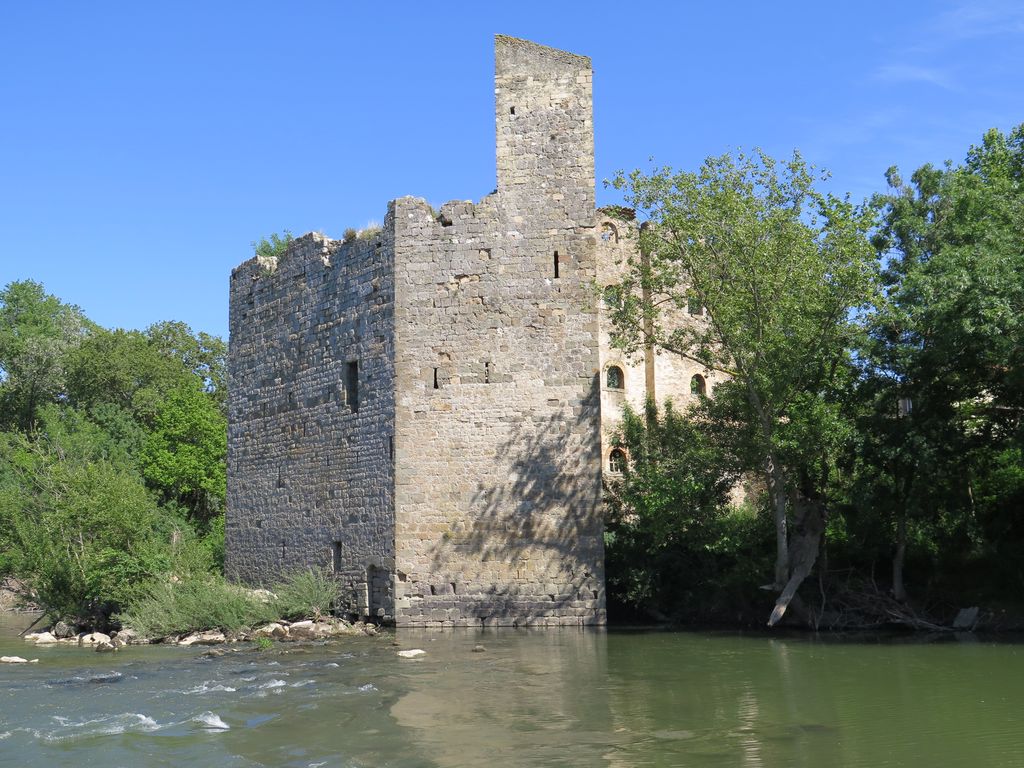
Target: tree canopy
x=874, y=365
x=112, y=452
x=780, y=269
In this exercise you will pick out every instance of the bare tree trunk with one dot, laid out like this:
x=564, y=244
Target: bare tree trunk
x=777, y=489
x=809, y=528
x=898, y=590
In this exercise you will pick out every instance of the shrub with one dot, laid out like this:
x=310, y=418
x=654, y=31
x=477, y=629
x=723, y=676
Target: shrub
x=195, y=604
x=306, y=594
x=371, y=231
x=273, y=246
x=80, y=528
x=199, y=600
x=674, y=547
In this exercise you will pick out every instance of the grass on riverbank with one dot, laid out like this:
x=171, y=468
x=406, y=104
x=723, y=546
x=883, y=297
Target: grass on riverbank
x=210, y=602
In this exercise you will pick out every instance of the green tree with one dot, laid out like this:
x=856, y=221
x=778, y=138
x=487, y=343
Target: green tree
x=780, y=269
x=674, y=547
x=948, y=342
x=37, y=331
x=78, y=523
x=184, y=454
x=125, y=369
x=202, y=354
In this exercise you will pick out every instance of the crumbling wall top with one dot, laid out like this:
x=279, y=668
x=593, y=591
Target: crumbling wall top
x=516, y=54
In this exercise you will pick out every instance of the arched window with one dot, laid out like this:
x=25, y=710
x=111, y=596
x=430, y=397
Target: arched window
x=617, y=461
x=698, y=386
x=609, y=233
x=614, y=378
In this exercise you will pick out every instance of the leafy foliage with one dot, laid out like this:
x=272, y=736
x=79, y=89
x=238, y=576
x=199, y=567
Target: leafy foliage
x=306, y=593
x=37, y=331
x=674, y=547
x=112, y=471
x=780, y=269
x=170, y=608
x=948, y=341
x=883, y=390
x=273, y=246
x=184, y=454
x=79, y=521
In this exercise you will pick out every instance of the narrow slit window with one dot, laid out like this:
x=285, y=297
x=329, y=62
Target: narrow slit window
x=352, y=386
x=512, y=110
x=437, y=384
x=556, y=264
x=487, y=373
x=336, y=556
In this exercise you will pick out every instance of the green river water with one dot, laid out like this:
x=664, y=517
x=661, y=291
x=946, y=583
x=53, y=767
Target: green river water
x=532, y=698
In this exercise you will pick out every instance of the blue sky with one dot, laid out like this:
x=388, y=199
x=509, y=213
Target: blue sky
x=143, y=147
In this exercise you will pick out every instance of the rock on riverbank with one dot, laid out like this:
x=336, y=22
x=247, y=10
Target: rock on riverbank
x=309, y=629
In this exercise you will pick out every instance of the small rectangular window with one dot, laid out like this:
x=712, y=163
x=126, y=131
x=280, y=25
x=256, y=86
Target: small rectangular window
x=336, y=552
x=556, y=264
x=487, y=373
x=437, y=384
x=352, y=386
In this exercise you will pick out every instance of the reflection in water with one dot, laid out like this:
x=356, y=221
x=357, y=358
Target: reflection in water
x=565, y=697
x=716, y=699
x=531, y=698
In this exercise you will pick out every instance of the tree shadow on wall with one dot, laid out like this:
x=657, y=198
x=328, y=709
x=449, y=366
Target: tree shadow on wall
x=538, y=510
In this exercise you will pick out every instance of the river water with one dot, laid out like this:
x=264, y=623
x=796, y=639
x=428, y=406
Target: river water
x=531, y=698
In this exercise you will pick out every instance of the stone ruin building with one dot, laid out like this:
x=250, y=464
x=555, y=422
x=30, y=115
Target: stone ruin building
x=419, y=408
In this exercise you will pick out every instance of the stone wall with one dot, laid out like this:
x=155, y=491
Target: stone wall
x=498, y=411
x=311, y=414
x=466, y=488
x=651, y=372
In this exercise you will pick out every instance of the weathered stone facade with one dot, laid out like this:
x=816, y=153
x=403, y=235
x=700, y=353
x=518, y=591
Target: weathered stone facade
x=653, y=373
x=420, y=408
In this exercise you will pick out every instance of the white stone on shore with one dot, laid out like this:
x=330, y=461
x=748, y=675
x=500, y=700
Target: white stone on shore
x=93, y=638
x=274, y=629
x=303, y=630
x=41, y=638
x=16, y=660
x=212, y=637
x=124, y=637
x=412, y=653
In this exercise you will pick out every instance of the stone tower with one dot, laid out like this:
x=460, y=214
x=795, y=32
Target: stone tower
x=418, y=408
